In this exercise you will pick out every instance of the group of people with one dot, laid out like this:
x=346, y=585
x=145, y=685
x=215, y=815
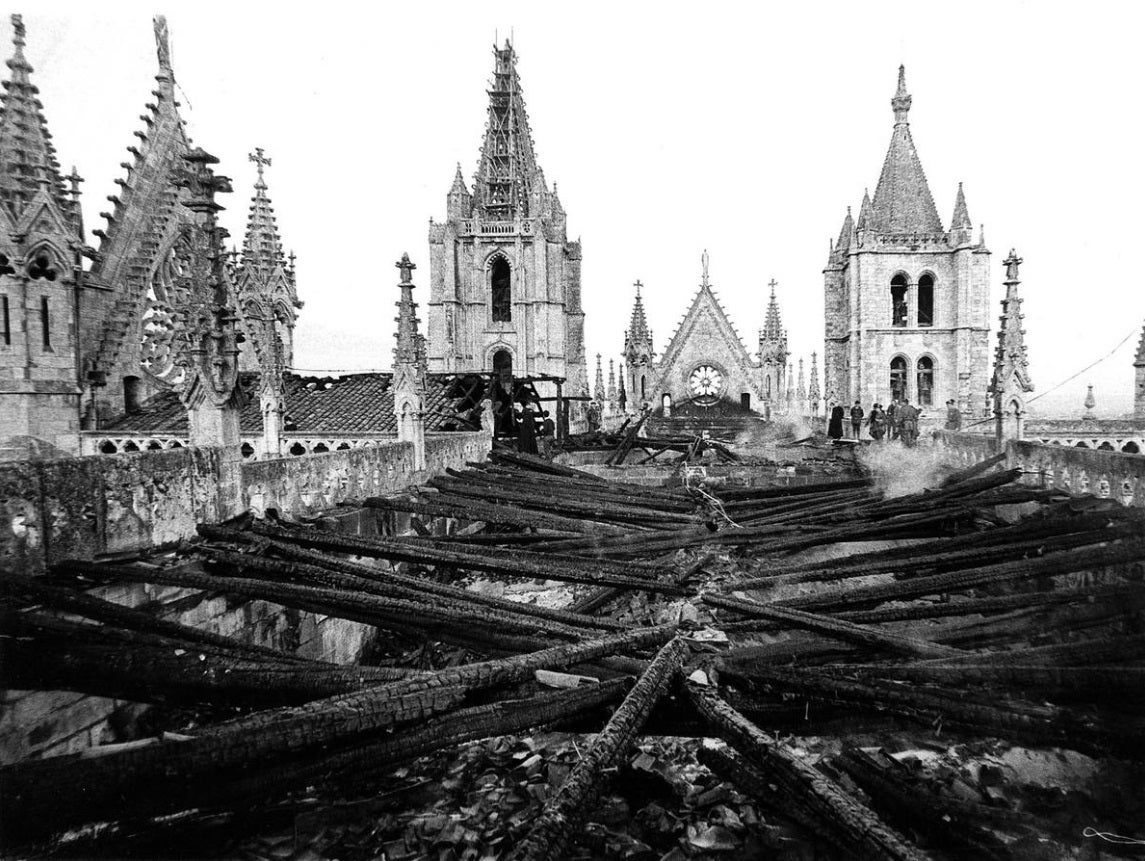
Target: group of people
x=899, y=420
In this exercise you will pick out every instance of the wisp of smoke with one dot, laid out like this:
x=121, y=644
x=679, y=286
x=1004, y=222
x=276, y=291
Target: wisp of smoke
x=901, y=471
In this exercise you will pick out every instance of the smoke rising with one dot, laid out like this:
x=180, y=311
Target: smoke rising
x=901, y=471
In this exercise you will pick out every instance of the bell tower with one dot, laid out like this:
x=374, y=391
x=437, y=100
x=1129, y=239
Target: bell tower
x=504, y=277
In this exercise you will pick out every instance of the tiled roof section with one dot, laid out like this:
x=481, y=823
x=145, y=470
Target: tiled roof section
x=902, y=202
x=341, y=406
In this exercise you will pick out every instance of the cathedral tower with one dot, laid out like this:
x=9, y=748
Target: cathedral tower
x=907, y=300
x=41, y=240
x=504, y=278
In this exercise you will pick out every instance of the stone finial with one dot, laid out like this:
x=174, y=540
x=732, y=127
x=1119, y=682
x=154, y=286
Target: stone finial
x=162, y=44
x=1012, y=263
x=19, y=34
x=1090, y=402
x=901, y=101
x=704, y=282
x=406, y=267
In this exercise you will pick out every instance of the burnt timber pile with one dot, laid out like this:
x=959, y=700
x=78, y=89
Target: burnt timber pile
x=741, y=671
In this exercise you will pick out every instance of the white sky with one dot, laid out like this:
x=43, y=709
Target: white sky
x=746, y=129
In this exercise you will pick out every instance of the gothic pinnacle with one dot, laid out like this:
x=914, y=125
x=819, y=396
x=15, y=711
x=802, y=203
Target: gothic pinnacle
x=961, y=218
x=901, y=101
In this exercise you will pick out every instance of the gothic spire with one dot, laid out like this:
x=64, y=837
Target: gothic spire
x=772, y=327
x=26, y=150
x=508, y=176
x=638, y=325
x=146, y=197
x=611, y=381
x=407, y=347
x=1139, y=361
x=1011, y=364
x=801, y=387
x=262, y=246
x=961, y=218
x=598, y=392
x=813, y=393
x=902, y=201
x=843, y=245
x=864, y=222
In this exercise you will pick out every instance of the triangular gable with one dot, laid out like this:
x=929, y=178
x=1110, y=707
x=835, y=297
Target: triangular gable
x=42, y=218
x=706, y=322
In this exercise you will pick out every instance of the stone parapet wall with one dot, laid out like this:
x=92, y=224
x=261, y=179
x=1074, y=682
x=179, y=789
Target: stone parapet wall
x=85, y=506
x=1105, y=474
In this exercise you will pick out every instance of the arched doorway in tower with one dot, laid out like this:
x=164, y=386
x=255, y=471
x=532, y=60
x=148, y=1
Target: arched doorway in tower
x=503, y=368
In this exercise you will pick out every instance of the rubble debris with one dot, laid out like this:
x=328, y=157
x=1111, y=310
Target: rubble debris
x=818, y=674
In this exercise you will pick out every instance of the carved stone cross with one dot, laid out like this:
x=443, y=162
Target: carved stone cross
x=259, y=158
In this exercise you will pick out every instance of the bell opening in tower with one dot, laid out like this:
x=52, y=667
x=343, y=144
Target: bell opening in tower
x=499, y=278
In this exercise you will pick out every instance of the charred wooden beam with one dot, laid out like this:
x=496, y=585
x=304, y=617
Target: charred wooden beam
x=38, y=590
x=946, y=821
x=43, y=796
x=848, y=632
x=563, y=814
x=1016, y=719
x=64, y=656
x=1117, y=683
x=1065, y=562
x=518, y=564
x=868, y=835
x=389, y=584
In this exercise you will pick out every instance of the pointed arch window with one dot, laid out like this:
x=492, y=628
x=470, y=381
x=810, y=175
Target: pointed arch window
x=500, y=279
x=898, y=300
x=926, y=300
x=925, y=381
x=898, y=378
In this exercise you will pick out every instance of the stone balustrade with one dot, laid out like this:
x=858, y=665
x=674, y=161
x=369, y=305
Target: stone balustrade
x=80, y=507
x=1078, y=470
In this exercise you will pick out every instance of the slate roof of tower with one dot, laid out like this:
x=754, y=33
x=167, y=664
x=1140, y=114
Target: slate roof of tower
x=902, y=201
x=345, y=405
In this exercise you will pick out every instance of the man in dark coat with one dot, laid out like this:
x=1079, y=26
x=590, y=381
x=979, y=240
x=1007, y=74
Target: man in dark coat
x=527, y=431
x=835, y=426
